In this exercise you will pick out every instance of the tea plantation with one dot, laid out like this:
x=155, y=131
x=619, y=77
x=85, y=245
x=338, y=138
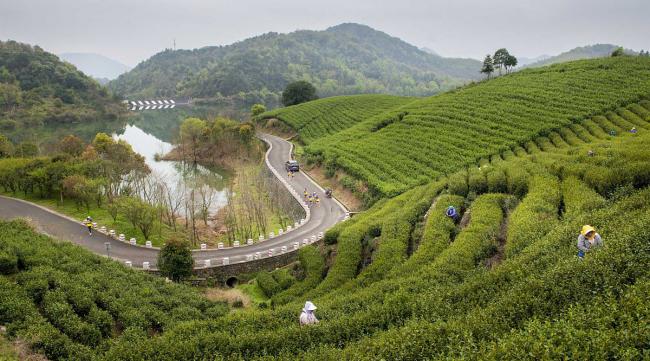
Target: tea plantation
x=401, y=281
x=323, y=117
x=415, y=141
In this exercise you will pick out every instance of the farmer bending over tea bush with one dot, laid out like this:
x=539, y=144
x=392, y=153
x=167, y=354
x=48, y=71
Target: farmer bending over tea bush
x=307, y=317
x=588, y=240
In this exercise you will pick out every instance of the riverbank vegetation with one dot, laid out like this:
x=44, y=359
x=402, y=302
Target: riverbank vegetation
x=104, y=179
x=256, y=202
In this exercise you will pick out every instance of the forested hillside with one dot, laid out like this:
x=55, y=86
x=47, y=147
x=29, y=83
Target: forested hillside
x=406, y=282
x=37, y=88
x=411, y=144
x=345, y=59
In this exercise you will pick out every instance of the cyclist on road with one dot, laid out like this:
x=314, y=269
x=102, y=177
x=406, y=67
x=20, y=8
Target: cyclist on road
x=317, y=201
x=88, y=222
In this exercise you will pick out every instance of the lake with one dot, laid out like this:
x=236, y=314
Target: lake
x=179, y=176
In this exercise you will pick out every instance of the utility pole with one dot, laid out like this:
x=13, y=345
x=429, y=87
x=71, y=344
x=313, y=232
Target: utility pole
x=174, y=44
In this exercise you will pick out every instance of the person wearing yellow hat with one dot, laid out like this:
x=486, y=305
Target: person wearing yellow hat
x=588, y=240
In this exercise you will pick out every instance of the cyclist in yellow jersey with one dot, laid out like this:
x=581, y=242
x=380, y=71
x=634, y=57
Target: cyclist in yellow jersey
x=89, y=223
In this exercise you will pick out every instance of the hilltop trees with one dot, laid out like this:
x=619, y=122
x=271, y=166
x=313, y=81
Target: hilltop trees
x=298, y=92
x=488, y=66
x=504, y=60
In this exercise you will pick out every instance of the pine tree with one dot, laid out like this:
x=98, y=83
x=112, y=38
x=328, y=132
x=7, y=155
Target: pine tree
x=488, y=66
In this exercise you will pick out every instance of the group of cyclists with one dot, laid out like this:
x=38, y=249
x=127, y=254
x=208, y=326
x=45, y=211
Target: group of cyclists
x=311, y=198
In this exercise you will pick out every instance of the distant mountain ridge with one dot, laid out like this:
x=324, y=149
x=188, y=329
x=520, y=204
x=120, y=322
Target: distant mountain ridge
x=344, y=59
x=96, y=65
x=582, y=52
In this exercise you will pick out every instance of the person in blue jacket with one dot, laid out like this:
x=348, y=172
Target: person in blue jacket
x=451, y=213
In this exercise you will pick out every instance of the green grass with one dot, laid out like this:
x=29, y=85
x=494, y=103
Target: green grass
x=411, y=143
x=253, y=291
x=161, y=233
x=7, y=351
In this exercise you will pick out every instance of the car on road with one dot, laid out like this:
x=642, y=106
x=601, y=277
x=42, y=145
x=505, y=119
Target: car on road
x=291, y=166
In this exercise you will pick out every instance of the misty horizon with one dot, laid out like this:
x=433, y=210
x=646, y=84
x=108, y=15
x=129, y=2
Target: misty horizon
x=132, y=32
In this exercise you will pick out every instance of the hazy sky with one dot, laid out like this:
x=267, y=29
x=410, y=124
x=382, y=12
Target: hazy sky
x=132, y=30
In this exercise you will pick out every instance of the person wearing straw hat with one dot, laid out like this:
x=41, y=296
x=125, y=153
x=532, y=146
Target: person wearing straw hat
x=307, y=316
x=588, y=240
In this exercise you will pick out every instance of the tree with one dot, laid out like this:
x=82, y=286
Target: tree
x=488, y=66
x=192, y=129
x=26, y=150
x=511, y=62
x=6, y=147
x=298, y=92
x=500, y=57
x=72, y=145
x=618, y=52
x=257, y=109
x=175, y=260
x=141, y=214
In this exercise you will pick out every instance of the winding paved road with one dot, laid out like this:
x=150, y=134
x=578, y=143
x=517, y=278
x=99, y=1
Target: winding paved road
x=320, y=219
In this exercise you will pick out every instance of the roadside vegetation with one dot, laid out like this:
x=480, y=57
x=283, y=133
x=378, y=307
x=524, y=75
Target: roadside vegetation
x=256, y=202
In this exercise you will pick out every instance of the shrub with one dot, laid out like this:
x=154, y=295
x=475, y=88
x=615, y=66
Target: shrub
x=536, y=214
x=8, y=263
x=175, y=260
x=283, y=277
x=579, y=198
x=268, y=284
x=457, y=183
x=476, y=180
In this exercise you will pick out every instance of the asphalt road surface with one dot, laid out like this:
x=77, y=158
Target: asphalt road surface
x=62, y=227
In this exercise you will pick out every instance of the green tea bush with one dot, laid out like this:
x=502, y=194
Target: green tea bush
x=476, y=180
x=283, y=277
x=313, y=265
x=535, y=215
x=8, y=263
x=579, y=198
x=496, y=180
x=267, y=283
x=457, y=183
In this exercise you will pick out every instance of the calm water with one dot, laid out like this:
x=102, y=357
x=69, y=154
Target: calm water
x=177, y=175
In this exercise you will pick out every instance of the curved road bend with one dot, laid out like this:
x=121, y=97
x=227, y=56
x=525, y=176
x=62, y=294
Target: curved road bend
x=61, y=227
